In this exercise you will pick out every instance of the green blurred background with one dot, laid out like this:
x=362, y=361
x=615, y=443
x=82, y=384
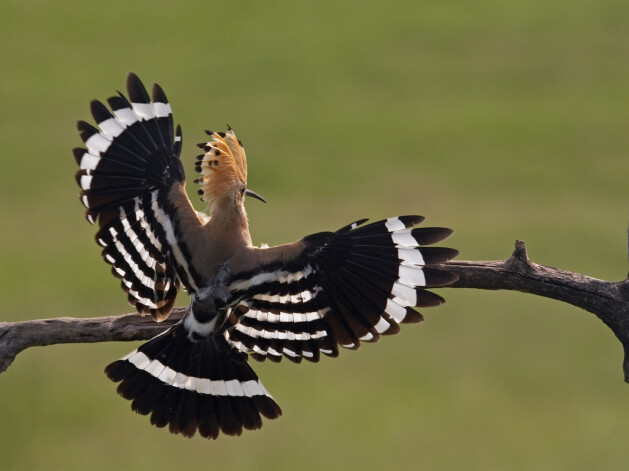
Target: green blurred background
x=502, y=119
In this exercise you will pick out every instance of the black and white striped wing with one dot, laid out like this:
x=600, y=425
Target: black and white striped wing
x=126, y=169
x=349, y=286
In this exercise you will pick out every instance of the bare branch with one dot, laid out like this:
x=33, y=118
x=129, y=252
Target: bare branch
x=16, y=336
x=609, y=301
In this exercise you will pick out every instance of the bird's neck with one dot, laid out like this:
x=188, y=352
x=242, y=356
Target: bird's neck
x=229, y=224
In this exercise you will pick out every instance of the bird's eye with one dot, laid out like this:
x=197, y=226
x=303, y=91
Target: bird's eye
x=242, y=190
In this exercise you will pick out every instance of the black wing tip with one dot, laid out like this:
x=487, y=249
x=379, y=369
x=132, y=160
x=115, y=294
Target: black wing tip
x=453, y=253
x=86, y=130
x=444, y=231
x=78, y=153
x=137, y=91
x=412, y=317
x=82, y=125
x=133, y=80
x=427, y=298
x=158, y=94
x=438, y=278
x=438, y=255
x=99, y=111
x=431, y=235
x=118, y=102
x=411, y=220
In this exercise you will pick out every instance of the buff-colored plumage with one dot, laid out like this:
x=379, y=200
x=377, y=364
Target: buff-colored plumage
x=298, y=301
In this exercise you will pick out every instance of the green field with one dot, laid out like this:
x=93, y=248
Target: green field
x=502, y=119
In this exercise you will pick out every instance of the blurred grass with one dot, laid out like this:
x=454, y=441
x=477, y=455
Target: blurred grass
x=503, y=120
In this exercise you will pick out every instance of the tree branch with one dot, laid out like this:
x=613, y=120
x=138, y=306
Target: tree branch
x=609, y=301
x=17, y=336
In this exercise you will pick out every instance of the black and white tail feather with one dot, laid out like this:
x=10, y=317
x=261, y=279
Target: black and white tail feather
x=202, y=385
x=339, y=289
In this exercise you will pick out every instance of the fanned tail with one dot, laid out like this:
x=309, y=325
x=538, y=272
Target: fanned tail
x=202, y=385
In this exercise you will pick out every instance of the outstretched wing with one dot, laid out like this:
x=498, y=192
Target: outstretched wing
x=128, y=174
x=345, y=287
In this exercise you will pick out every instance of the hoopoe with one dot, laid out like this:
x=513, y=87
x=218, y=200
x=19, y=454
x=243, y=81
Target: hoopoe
x=297, y=300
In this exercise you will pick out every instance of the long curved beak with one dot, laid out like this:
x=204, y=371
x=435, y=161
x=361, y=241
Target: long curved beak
x=249, y=192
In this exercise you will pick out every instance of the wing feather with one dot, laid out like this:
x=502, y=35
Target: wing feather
x=129, y=166
x=343, y=288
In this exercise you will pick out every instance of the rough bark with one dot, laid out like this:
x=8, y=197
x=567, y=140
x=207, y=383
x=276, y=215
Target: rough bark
x=17, y=336
x=609, y=301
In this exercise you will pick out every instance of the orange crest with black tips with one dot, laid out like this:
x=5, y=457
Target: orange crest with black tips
x=223, y=166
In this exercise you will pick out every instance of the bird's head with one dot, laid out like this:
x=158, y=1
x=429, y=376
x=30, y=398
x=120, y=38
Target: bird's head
x=224, y=170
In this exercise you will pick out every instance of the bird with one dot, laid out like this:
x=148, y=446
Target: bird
x=300, y=300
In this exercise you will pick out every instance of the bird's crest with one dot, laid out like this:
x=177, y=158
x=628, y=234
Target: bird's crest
x=223, y=166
